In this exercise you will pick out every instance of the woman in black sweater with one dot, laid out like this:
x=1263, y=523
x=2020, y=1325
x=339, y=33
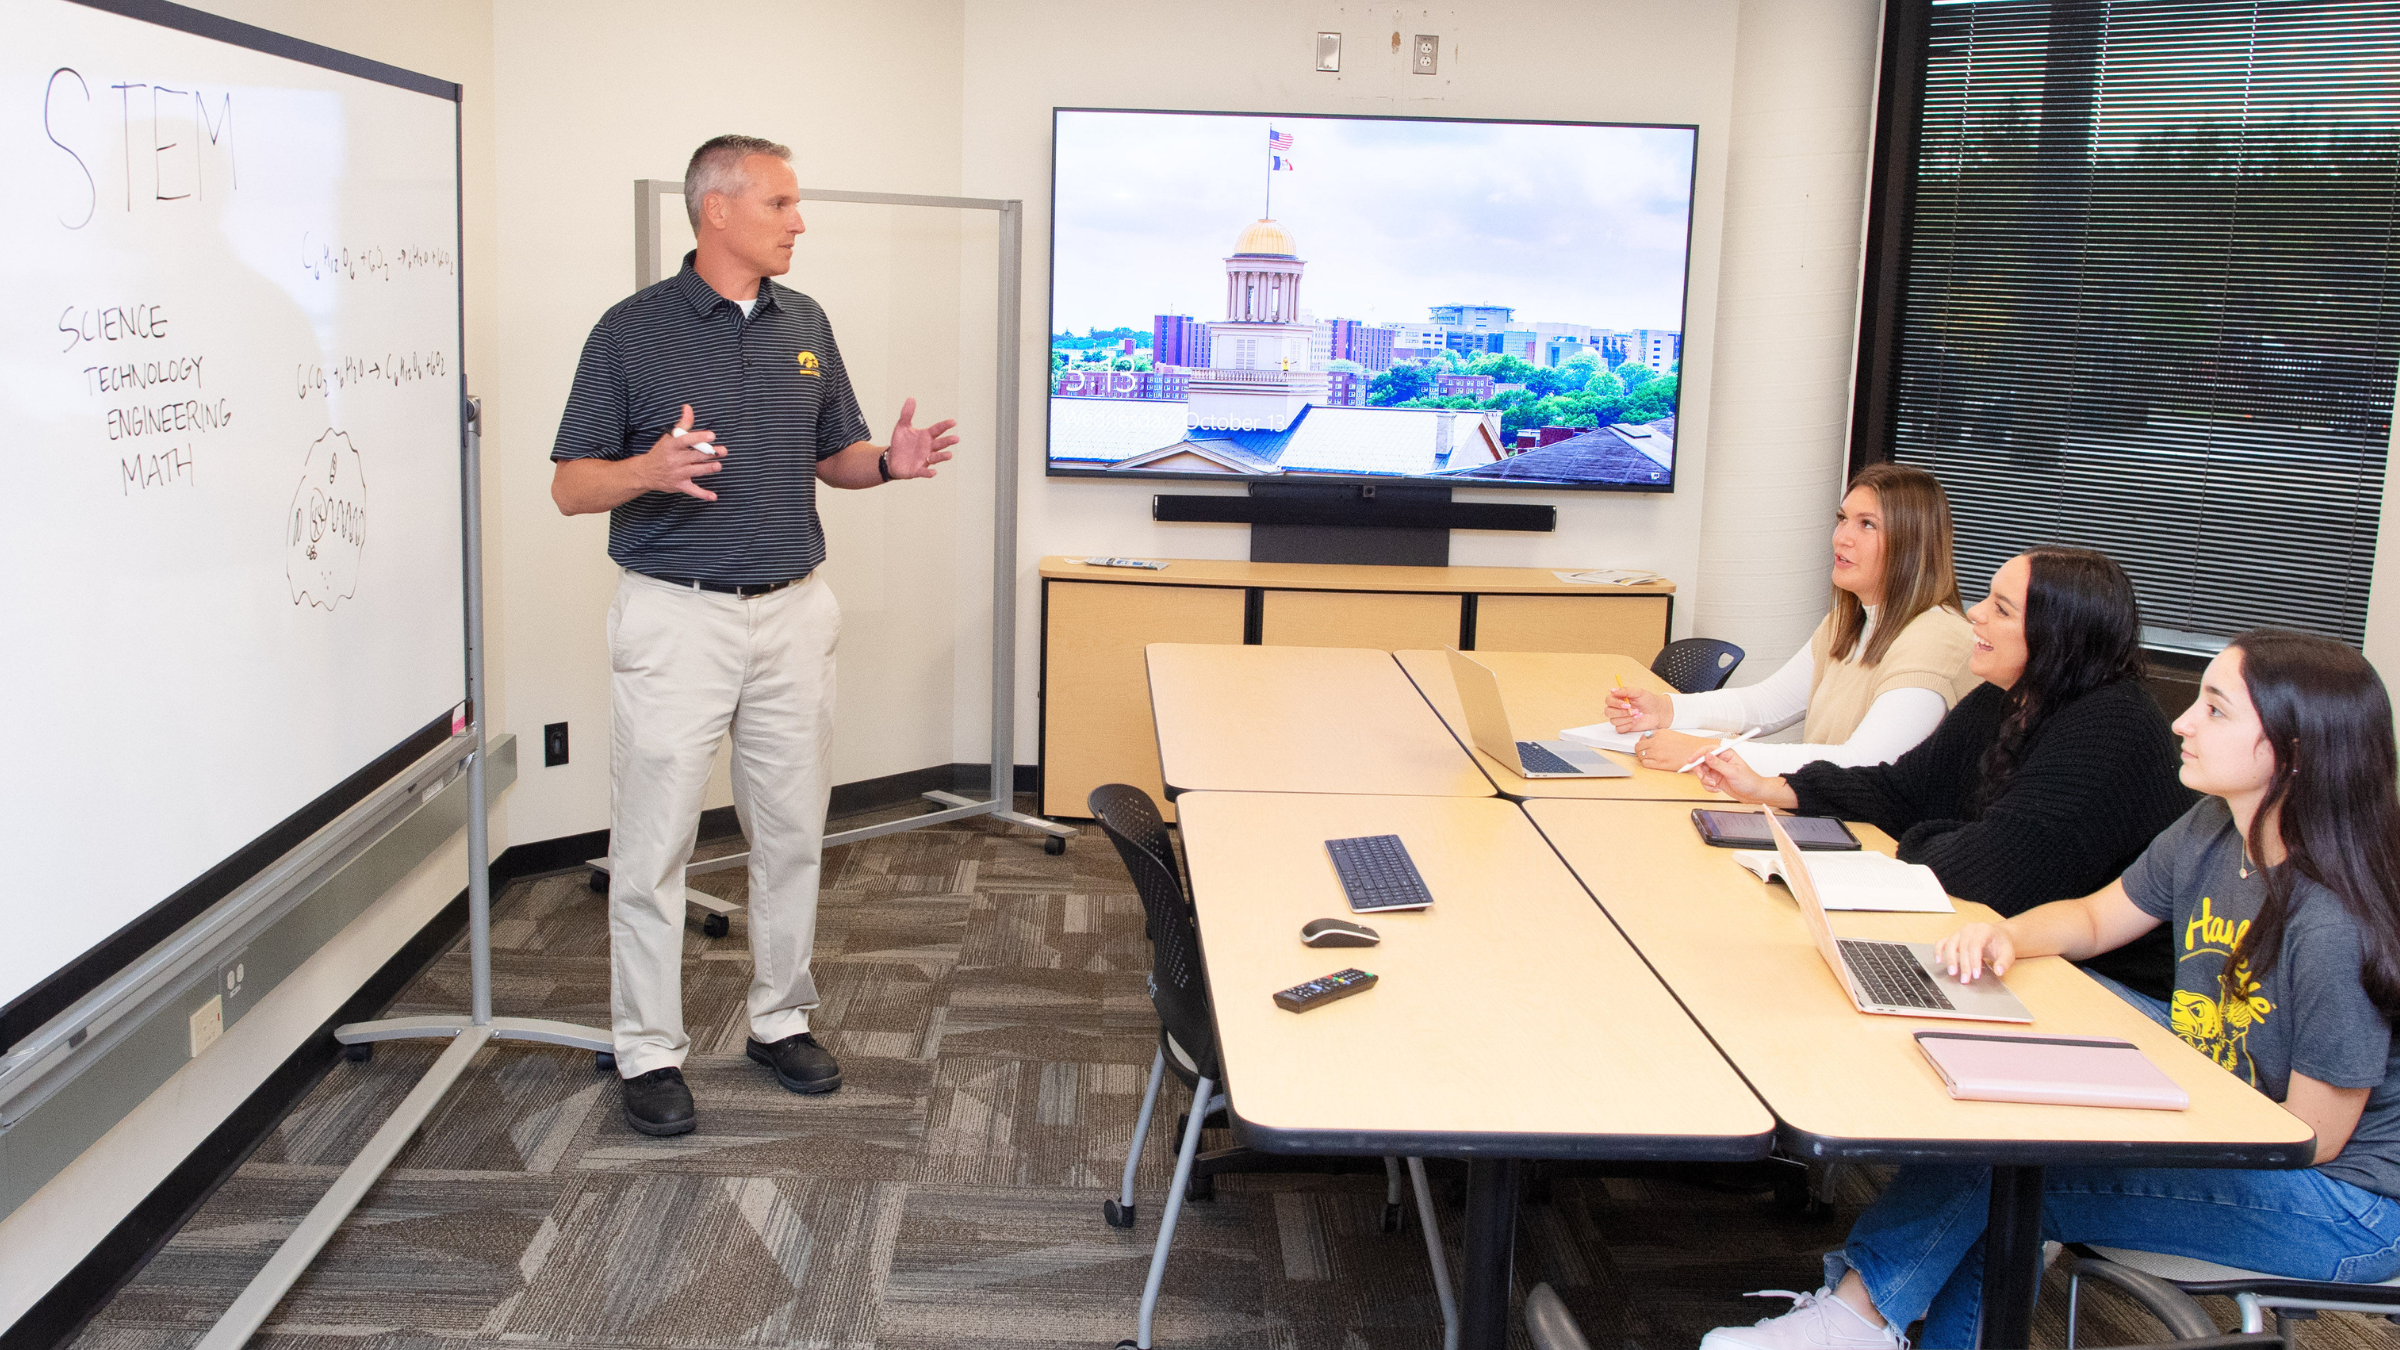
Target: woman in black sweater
x=2044, y=783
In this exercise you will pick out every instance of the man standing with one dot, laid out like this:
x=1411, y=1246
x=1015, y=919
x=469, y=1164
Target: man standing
x=720, y=376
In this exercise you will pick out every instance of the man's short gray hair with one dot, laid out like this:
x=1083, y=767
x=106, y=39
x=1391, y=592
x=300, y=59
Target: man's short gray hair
x=717, y=167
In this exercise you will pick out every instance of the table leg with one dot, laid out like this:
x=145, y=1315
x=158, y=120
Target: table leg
x=1491, y=1253
x=2012, y=1257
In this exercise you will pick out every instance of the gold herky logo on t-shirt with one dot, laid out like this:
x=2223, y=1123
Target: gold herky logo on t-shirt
x=808, y=363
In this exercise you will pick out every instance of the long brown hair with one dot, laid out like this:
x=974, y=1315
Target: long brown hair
x=1918, y=574
x=2324, y=713
x=2083, y=631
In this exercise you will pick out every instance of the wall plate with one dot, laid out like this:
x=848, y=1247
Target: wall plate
x=1329, y=51
x=1424, y=58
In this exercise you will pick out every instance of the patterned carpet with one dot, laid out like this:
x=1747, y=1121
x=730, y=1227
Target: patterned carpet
x=987, y=1002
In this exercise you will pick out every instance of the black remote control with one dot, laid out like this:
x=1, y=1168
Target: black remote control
x=1324, y=989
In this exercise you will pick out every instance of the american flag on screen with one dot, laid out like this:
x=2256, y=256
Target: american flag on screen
x=1279, y=147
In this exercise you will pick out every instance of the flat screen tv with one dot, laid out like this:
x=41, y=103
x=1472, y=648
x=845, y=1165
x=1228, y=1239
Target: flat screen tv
x=1304, y=298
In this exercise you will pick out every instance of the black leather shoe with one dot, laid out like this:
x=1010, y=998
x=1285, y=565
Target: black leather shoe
x=658, y=1103
x=800, y=1063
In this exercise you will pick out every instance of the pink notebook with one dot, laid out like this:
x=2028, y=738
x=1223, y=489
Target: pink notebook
x=2057, y=1070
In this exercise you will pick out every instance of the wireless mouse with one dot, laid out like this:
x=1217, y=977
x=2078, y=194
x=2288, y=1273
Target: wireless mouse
x=1338, y=933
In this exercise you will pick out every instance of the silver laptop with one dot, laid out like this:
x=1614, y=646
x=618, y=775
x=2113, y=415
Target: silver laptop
x=1487, y=725
x=1899, y=978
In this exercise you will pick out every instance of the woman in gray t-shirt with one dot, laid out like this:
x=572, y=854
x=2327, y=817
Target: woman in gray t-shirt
x=2282, y=889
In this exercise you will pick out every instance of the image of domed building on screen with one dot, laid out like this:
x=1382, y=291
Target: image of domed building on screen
x=1252, y=396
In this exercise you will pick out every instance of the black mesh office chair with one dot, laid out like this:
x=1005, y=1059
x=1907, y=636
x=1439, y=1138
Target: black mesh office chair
x=1696, y=665
x=2166, y=1286
x=1187, y=1042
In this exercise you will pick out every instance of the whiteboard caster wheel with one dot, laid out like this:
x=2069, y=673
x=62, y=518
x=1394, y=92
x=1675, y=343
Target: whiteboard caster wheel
x=603, y=1062
x=360, y=1052
x=715, y=925
x=1053, y=845
x=598, y=881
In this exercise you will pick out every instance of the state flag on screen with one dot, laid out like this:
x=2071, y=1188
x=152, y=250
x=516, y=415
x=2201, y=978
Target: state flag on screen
x=1279, y=146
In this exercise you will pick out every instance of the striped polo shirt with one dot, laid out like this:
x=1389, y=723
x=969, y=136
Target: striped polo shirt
x=770, y=385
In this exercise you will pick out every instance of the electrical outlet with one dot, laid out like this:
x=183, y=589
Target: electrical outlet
x=231, y=976
x=554, y=745
x=1329, y=51
x=1426, y=57
x=208, y=1023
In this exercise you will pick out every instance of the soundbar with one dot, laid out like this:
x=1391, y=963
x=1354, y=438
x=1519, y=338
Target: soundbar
x=1395, y=512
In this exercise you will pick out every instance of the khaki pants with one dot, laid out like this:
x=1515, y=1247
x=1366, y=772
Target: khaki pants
x=687, y=666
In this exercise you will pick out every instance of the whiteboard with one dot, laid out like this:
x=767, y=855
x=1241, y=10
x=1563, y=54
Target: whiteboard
x=231, y=578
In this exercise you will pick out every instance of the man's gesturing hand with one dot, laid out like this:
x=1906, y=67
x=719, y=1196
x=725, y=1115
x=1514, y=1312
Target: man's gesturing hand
x=679, y=457
x=915, y=450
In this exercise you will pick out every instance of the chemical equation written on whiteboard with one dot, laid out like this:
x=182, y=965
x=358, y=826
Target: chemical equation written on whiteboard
x=322, y=260
x=392, y=368
x=327, y=530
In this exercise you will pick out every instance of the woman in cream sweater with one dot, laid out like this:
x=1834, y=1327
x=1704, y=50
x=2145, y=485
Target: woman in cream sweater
x=1882, y=669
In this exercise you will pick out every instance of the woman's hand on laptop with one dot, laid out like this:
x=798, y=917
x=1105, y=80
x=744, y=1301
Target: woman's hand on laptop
x=1966, y=952
x=1725, y=771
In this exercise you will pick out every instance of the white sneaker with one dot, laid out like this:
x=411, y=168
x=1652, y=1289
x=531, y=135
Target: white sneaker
x=1817, y=1321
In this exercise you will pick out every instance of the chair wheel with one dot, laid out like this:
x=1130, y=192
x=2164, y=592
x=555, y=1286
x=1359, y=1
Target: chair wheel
x=360, y=1052
x=598, y=881
x=1129, y=1344
x=1053, y=845
x=1200, y=1188
x=1391, y=1218
x=1119, y=1216
x=715, y=925
x=604, y=1062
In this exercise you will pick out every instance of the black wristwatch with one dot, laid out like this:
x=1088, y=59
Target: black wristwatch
x=883, y=465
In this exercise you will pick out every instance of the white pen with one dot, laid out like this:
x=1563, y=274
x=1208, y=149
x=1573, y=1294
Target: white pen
x=1728, y=745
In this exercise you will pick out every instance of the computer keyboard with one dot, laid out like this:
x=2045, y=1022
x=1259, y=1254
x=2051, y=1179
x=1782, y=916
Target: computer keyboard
x=1377, y=874
x=1888, y=974
x=1537, y=760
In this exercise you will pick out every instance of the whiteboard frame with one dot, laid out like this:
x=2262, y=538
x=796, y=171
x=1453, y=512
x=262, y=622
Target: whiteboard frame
x=63, y=1023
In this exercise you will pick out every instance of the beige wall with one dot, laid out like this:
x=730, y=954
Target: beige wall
x=1619, y=60
x=590, y=98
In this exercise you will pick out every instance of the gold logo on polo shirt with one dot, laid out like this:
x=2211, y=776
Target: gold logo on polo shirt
x=808, y=363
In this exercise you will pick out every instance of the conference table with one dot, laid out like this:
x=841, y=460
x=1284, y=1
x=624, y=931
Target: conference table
x=1510, y=1020
x=1728, y=949
x=1299, y=719
x=1851, y=1087
x=1544, y=694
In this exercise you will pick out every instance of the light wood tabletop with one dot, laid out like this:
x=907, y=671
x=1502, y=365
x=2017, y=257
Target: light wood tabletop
x=1299, y=719
x=1851, y=1085
x=1545, y=693
x=1511, y=1018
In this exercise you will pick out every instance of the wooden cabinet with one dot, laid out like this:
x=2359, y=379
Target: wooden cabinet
x=1095, y=692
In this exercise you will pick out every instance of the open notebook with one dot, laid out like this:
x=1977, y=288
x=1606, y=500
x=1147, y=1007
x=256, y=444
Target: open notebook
x=1862, y=880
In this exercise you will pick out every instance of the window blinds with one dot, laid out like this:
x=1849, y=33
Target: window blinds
x=2148, y=302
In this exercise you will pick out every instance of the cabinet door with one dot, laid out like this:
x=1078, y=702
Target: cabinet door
x=1626, y=625
x=1096, y=725
x=1383, y=620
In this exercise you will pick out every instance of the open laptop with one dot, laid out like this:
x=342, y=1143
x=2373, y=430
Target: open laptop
x=1899, y=978
x=1487, y=724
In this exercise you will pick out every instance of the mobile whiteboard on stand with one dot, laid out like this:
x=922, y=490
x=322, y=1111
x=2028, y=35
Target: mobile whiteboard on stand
x=1001, y=804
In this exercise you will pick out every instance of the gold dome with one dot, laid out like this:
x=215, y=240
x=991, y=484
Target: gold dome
x=1269, y=238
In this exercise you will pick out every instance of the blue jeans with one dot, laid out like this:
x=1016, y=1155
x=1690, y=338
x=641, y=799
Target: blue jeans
x=1919, y=1247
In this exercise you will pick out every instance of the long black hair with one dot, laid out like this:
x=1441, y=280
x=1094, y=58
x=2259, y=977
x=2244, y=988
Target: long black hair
x=2324, y=712
x=2083, y=630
